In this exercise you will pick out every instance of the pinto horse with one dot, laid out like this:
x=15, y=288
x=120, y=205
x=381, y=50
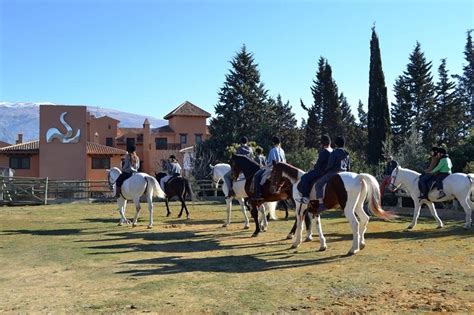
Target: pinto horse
x=218, y=172
x=345, y=190
x=176, y=186
x=243, y=164
x=457, y=185
x=133, y=188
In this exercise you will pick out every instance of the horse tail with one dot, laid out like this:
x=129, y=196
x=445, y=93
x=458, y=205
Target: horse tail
x=373, y=194
x=188, y=190
x=156, y=190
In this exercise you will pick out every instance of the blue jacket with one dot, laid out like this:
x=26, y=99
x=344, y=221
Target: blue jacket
x=174, y=169
x=276, y=154
x=339, y=161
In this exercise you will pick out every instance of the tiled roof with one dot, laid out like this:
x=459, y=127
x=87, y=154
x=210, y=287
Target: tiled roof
x=188, y=109
x=25, y=147
x=4, y=144
x=95, y=148
x=33, y=147
x=164, y=129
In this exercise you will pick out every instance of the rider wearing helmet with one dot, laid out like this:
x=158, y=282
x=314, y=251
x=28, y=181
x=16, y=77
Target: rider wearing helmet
x=130, y=166
x=243, y=149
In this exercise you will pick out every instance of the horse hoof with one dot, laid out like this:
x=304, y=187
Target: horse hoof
x=134, y=225
x=149, y=227
x=255, y=234
x=246, y=227
x=322, y=248
x=289, y=236
x=409, y=227
x=120, y=224
x=168, y=214
x=350, y=253
x=224, y=225
x=293, y=246
x=188, y=218
x=362, y=246
x=439, y=227
x=309, y=239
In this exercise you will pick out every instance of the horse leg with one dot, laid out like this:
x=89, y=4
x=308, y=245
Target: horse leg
x=322, y=240
x=363, y=221
x=121, y=207
x=264, y=220
x=309, y=229
x=183, y=204
x=255, y=219
x=350, y=215
x=149, y=199
x=467, y=209
x=416, y=212
x=136, y=200
x=228, y=202
x=299, y=225
x=168, y=212
x=244, y=212
x=435, y=215
x=293, y=230
x=182, y=207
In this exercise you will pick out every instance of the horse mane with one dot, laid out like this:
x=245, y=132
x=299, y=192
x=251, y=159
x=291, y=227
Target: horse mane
x=289, y=170
x=248, y=162
x=409, y=171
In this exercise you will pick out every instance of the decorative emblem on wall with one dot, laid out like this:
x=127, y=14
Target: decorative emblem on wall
x=54, y=133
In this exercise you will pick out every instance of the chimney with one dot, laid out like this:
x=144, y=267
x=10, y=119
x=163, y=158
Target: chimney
x=20, y=138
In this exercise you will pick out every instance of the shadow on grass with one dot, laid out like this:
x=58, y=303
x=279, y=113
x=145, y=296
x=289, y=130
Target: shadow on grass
x=102, y=220
x=228, y=264
x=60, y=232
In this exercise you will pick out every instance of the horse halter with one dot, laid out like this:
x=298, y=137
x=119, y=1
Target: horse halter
x=278, y=185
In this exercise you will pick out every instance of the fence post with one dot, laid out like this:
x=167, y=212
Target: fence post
x=46, y=192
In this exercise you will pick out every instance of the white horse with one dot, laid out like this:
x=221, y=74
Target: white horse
x=133, y=188
x=345, y=190
x=218, y=172
x=457, y=185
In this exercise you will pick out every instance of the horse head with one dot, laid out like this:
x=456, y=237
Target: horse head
x=112, y=175
x=393, y=183
x=160, y=175
x=243, y=164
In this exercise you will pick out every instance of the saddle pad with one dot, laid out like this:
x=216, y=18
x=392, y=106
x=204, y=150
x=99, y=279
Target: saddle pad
x=163, y=181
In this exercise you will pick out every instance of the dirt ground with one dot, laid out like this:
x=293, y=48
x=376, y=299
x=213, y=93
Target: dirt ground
x=75, y=259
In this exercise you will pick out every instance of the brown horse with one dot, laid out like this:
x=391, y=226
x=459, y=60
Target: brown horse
x=346, y=191
x=242, y=164
x=176, y=186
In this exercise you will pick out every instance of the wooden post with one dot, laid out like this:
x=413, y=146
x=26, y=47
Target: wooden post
x=46, y=192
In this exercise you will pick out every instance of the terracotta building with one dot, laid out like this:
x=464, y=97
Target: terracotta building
x=75, y=145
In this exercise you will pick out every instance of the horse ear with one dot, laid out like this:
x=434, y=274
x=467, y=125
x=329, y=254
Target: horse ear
x=211, y=166
x=274, y=162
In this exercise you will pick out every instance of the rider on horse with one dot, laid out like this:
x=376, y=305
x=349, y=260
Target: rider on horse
x=442, y=170
x=339, y=161
x=390, y=165
x=243, y=149
x=259, y=157
x=276, y=155
x=318, y=170
x=130, y=166
x=425, y=180
x=174, y=169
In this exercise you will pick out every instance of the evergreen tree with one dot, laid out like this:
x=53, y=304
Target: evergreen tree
x=378, y=115
x=362, y=115
x=315, y=112
x=465, y=86
x=447, y=123
x=331, y=122
x=414, y=94
x=243, y=104
x=349, y=126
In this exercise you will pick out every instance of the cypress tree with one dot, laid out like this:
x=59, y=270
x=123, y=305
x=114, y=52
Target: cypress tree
x=331, y=122
x=378, y=115
x=315, y=112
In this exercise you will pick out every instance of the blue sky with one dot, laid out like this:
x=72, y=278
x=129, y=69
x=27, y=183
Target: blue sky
x=147, y=57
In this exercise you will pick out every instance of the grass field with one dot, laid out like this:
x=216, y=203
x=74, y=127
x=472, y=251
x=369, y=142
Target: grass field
x=75, y=259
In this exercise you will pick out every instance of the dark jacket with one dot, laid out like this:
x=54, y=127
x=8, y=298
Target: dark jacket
x=339, y=161
x=260, y=159
x=389, y=167
x=245, y=150
x=322, y=162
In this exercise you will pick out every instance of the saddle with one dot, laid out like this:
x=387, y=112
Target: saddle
x=166, y=180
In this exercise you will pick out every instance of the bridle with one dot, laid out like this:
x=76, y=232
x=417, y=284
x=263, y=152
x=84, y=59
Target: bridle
x=391, y=185
x=111, y=184
x=279, y=185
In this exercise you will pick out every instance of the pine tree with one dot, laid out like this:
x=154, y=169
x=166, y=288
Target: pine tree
x=362, y=115
x=349, y=126
x=378, y=115
x=315, y=112
x=414, y=94
x=448, y=118
x=331, y=122
x=243, y=104
x=465, y=86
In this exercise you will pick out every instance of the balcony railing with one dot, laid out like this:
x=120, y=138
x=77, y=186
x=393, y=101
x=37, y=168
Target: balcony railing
x=169, y=146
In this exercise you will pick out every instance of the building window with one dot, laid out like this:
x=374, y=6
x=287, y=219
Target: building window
x=183, y=138
x=110, y=127
x=109, y=142
x=198, y=138
x=130, y=142
x=140, y=138
x=100, y=163
x=20, y=162
x=161, y=143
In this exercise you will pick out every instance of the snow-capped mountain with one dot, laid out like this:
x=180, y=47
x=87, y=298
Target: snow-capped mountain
x=23, y=118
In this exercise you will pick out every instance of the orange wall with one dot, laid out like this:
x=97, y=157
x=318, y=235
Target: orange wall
x=101, y=126
x=189, y=125
x=63, y=160
x=93, y=174
x=32, y=172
